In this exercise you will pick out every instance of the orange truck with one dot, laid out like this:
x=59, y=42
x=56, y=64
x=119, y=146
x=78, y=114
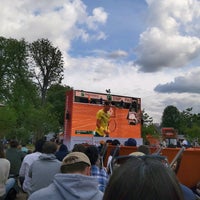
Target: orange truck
x=170, y=136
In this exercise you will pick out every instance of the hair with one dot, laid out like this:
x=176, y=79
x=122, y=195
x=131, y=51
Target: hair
x=49, y=147
x=143, y=178
x=130, y=142
x=79, y=148
x=2, y=153
x=115, y=142
x=144, y=149
x=92, y=153
x=73, y=168
x=38, y=145
x=14, y=143
x=107, y=103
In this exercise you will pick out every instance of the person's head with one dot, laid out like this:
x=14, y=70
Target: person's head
x=79, y=148
x=131, y=142
x=14, y=143
x=63, y=147
x=143, y=178
x=2, y=153
x=107, y=106
x=76, y=163
x=115, y=142
x=49, y=147
x=144, y=149
x=38, y=145
x=92, y=153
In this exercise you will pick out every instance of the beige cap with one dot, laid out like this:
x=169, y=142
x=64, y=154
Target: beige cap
x=137, y=153
x=75, y=157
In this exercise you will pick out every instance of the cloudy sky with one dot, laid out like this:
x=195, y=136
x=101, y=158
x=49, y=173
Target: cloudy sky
x=141, y=48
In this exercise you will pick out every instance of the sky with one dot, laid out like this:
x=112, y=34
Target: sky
x=141, y=48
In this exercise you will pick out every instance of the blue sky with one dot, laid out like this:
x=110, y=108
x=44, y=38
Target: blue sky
x=119, y=33
x=141, y=48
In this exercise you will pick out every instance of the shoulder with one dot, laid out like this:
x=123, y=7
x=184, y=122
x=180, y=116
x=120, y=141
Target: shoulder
x=32, y=156
x=5, y=162
x=98, y=196
x=187, y=192
x=45, y=193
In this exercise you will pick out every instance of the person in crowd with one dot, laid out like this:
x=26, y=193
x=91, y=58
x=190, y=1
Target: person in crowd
x=15, y=156
x=96, y=170
x=27, y=162
x=187, y=192
x=79, y=148
x=6, y=184
x=24, y=148
x=143, y=178
x=102, y=121
x=130, y=142
x=43, y=170
x=144, y=149
x=62, y=152
x=113, y=152
x=186, y=143
x=74, y=182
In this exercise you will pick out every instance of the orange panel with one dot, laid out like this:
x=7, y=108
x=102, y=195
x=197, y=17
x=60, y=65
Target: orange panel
x=189, y=171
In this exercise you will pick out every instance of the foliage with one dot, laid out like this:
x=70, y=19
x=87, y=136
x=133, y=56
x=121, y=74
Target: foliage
x=190, y=123
x=148, y=128
x=41, y=121
x=13, y=66
x=8, y=121
x=186, y=122
x=23, y=116
x=171, y=117
x=46, y=63
x=56, y=97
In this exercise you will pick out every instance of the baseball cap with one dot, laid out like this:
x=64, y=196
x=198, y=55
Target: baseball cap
x=75, y=157
x=136, y=153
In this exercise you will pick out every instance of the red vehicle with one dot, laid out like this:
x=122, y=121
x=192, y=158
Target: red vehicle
x=170, y=135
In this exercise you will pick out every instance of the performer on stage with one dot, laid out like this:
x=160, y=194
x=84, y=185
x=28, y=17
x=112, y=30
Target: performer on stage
x=102, y=121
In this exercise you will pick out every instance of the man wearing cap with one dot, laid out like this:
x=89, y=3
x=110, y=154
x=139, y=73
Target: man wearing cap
x=74, y=181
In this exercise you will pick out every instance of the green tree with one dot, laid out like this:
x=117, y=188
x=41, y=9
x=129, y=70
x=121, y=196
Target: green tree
x=148, y=128
x=8, y=121
x=56, y=97
x=13, y=65
x=171, y=117
x=190, y=123
x=46, y=64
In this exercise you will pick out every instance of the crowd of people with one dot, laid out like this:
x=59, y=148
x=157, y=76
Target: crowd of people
x=51, y=171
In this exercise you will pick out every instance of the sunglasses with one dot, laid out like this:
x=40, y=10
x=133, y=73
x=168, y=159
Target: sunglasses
x=120, y=160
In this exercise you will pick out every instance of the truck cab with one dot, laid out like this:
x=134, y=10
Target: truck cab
x=170, y=136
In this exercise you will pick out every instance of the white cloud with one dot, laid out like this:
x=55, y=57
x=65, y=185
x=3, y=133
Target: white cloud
x=168, y=42
x=59, y=21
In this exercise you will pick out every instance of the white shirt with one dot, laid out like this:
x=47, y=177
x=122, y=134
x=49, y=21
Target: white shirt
x=4, y=172
x=24, y=170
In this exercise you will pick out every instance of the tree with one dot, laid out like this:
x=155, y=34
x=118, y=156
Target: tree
x=171, y=117
x=190, y=123
x=56, y=95
x=46, y=64
x=148, y=128
x=13, y=66
x=8, y=121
